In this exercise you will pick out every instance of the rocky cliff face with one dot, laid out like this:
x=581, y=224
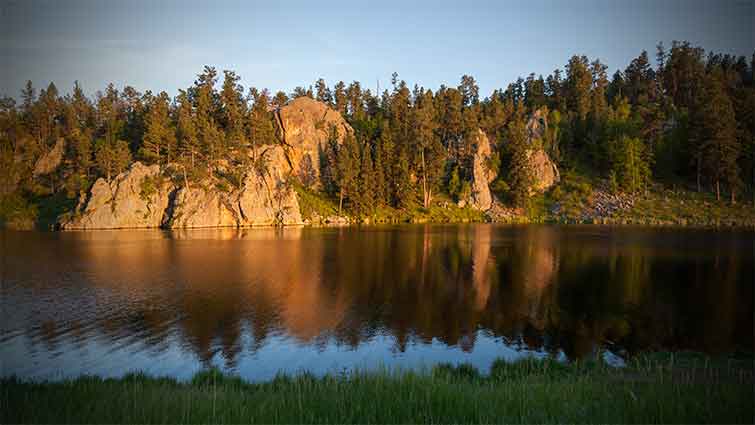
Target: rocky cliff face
x=264, y=198
x=50, y=161
x=138, y=198
x=545, y=171
x=482, y=198
x=135, y=198
x=304, y=126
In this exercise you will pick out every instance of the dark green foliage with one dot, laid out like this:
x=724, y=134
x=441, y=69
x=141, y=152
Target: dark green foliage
x=715, y=136
x=159, y=144
x=630, y=164
x=520, y=176
x=686, y=120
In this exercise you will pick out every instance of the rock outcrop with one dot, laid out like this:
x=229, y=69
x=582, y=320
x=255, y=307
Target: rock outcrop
x=264, y=199
x=141, y=198
x=482, y=175
x=544, y=170
x=133, y=199
x=136, y=198
x=200, y=207
x=304, y=126
x=50, y=161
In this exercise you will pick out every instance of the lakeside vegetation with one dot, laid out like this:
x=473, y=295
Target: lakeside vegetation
x=653, y=388
x=680, y=129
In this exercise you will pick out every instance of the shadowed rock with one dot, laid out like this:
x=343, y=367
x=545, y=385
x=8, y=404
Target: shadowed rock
x=50, y=161
x=544, y=171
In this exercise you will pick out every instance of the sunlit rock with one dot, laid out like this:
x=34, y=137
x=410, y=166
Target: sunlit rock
x=136, y=198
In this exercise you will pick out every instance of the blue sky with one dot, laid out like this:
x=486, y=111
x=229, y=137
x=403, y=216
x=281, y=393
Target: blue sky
x=162, y=44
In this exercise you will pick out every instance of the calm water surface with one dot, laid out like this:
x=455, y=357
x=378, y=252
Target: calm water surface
x=259, y=301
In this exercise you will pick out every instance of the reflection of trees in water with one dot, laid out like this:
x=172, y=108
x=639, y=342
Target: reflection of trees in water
x=540, y=287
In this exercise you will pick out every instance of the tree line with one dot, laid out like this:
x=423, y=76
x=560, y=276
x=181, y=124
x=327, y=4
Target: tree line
x=686, y=119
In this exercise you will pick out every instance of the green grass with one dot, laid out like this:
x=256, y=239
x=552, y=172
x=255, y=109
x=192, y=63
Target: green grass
x=686, y=207
x=313, y=204
x=648, y=390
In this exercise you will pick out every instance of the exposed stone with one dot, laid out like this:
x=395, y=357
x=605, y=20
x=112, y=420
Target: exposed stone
x=200, y=207
x=544, y=171
x=537, y=125
x=264, y=199
x=135, y=198
x=304, y=127
x=267, y=199
x=482, y=199
x=50, y=161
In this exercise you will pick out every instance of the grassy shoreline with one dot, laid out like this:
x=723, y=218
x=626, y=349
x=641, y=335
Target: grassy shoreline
x=650, y=389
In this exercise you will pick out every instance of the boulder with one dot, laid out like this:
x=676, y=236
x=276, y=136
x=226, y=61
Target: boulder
x=136, y=198
x=304, y=125
x=544, y=170
x=482, y=175
x=50, y=161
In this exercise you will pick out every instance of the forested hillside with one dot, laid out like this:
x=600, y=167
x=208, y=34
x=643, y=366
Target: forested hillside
x=680, y=124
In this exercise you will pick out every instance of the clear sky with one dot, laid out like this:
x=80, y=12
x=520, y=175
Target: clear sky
x=280, y=44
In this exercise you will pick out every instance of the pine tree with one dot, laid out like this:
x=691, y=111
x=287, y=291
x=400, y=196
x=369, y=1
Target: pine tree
x=403, y=192
x=384, y=160
x=630, y=161
x=160, y=136
x=188, y=141
x=639, y=80
x=112, y=158
x=348, y=171
x=717, y=147
x=234, y=118
x=428, y=150
x=323, y=92
x=366, y=187
x=280, y=99
x=329, y=162
x=579, y=82
x=469, y=90
x=261, y=126
x=354, y=101
x=520, y=176
x=339, y=97
x=208, y=134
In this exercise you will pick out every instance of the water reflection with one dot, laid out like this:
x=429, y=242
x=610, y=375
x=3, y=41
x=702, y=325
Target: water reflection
x=113, y=301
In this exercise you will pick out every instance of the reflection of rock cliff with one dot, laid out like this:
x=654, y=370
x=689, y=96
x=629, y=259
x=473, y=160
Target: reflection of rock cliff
x=541, y=286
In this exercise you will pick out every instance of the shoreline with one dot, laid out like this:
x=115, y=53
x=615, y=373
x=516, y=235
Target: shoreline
x=692, y=388
x=612, y=222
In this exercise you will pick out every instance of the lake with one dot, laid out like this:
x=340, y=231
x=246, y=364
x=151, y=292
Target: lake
x=255, y=302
